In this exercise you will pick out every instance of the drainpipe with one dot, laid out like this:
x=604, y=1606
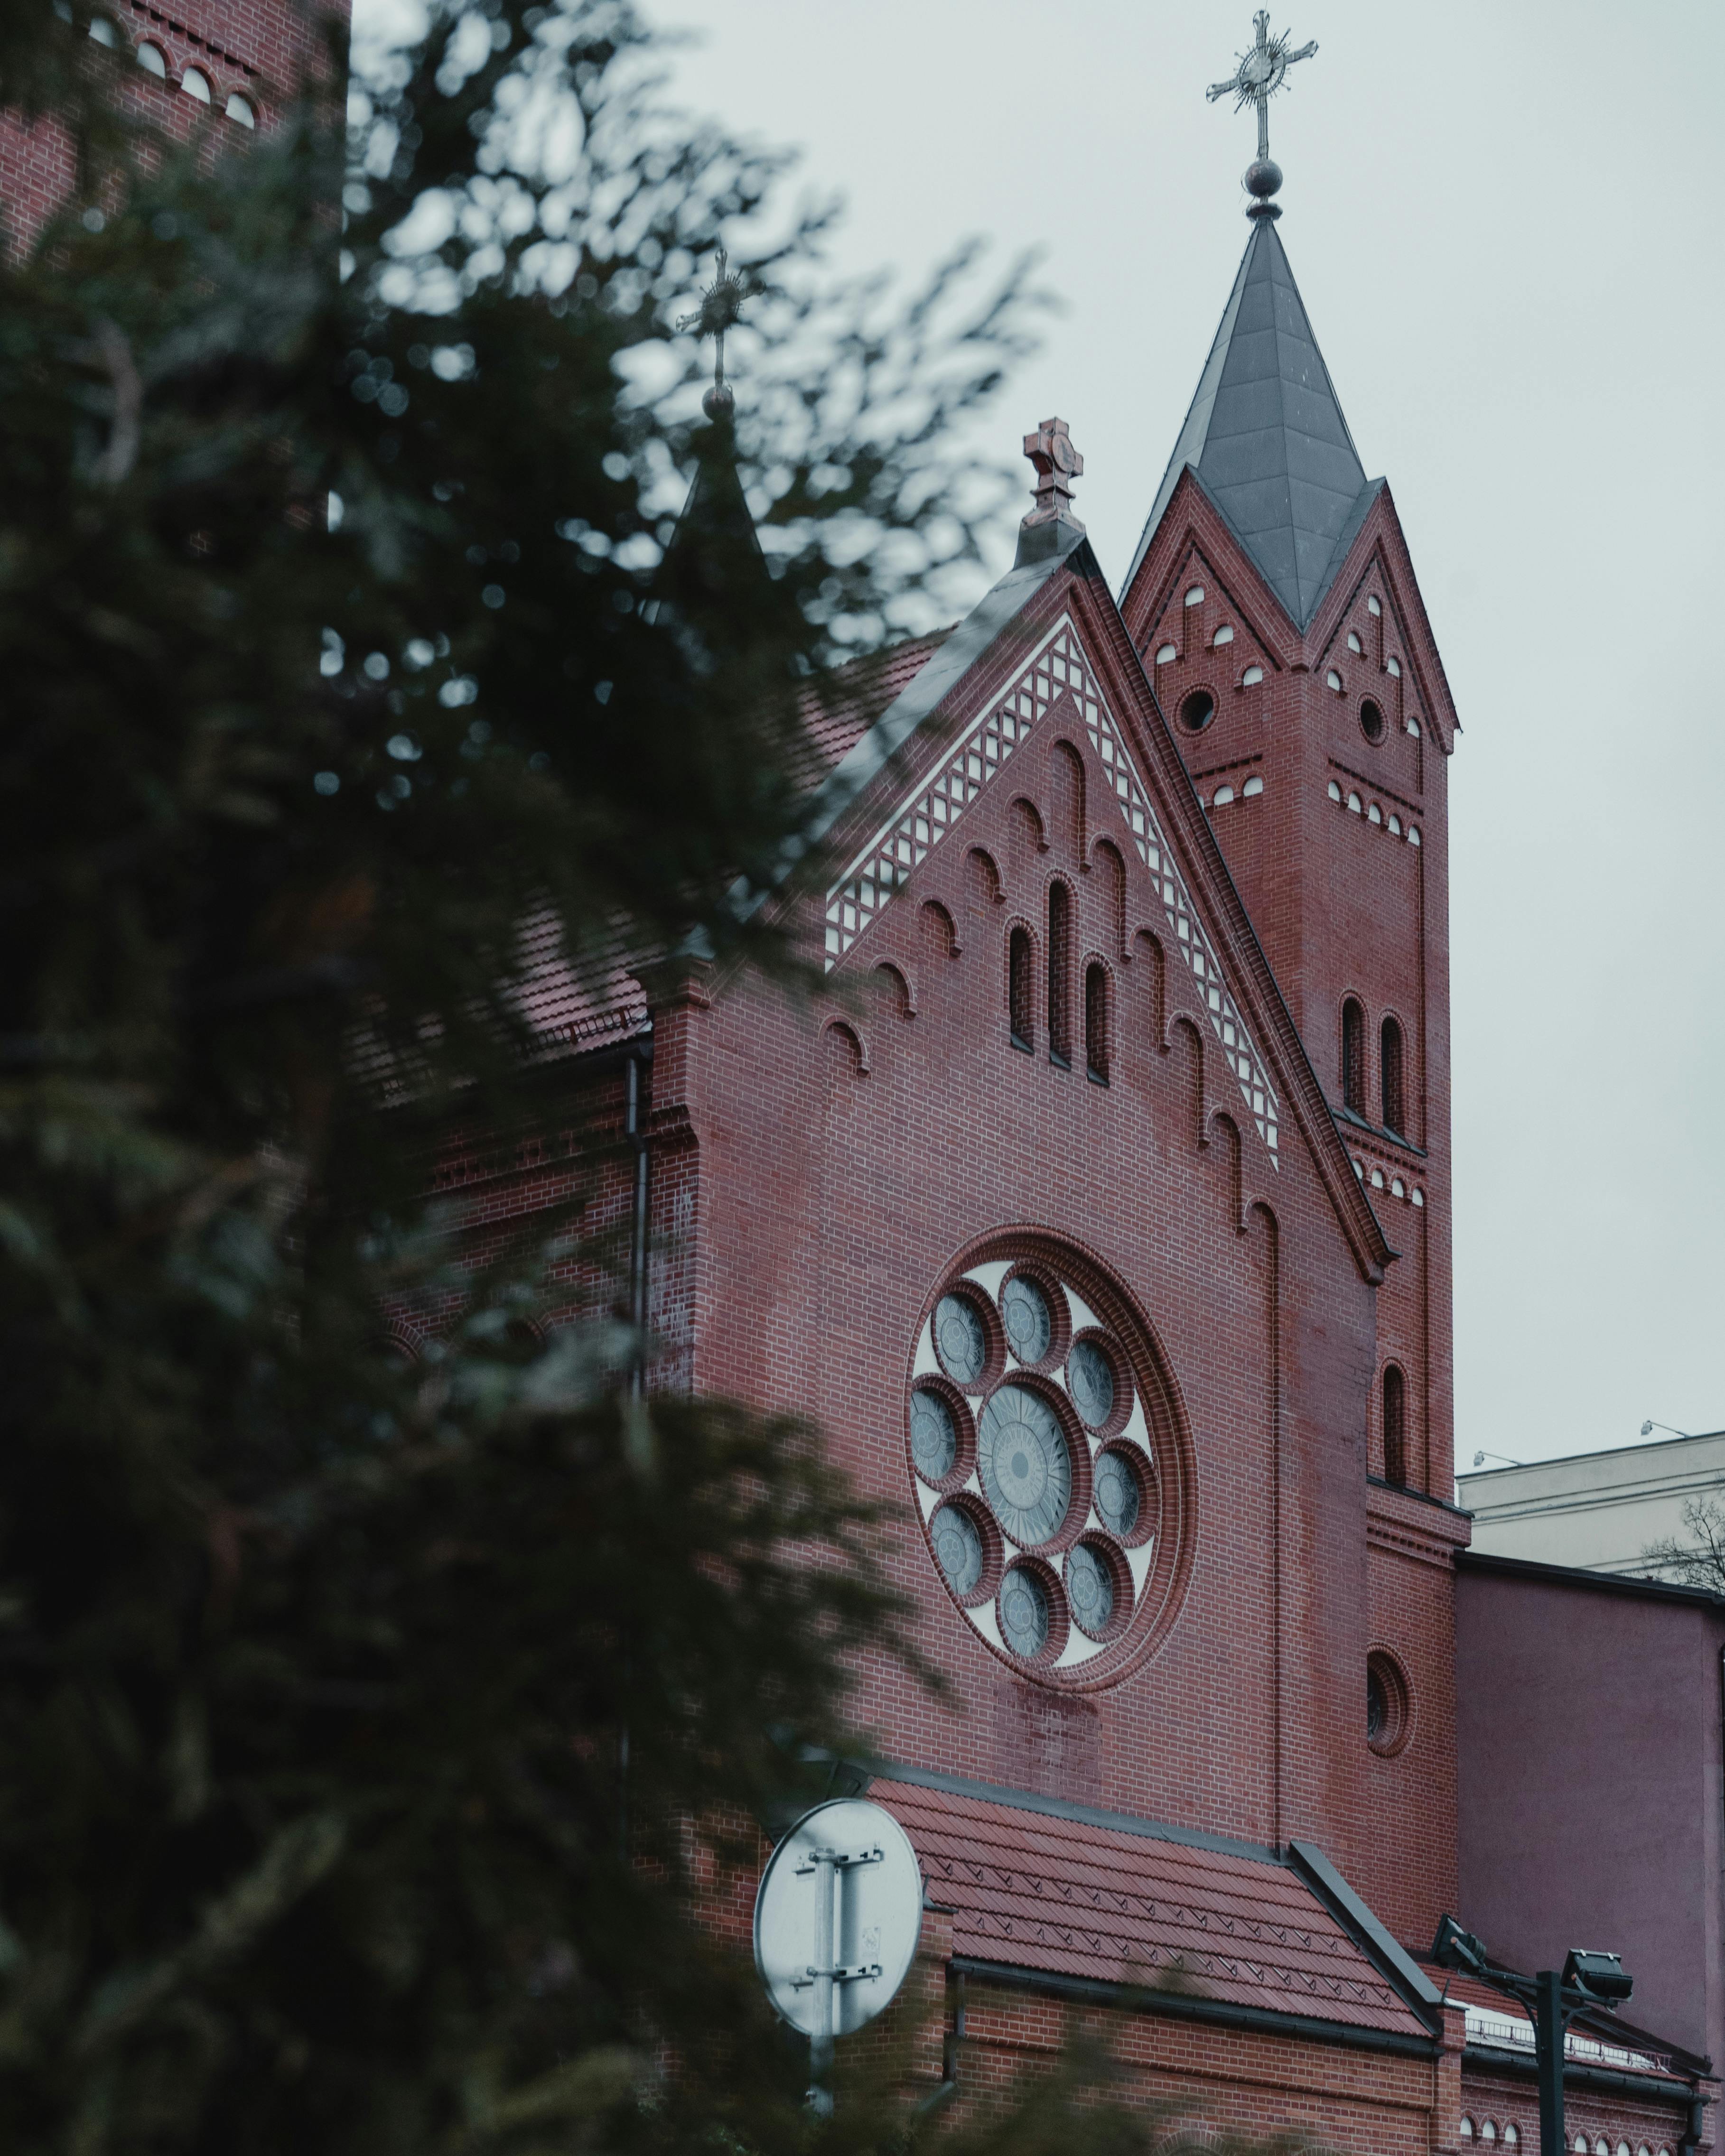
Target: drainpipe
x=952, y=2044
x=633, y=1068
x=638, y=1223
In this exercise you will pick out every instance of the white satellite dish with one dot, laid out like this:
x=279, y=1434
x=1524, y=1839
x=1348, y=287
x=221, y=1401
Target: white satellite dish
x=837, y=1919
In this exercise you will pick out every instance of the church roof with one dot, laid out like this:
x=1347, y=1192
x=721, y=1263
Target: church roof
x=1055, y=1889
x=1266, y=438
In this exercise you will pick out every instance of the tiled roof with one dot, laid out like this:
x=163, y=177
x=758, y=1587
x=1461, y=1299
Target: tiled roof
x=1051, y=1894
x=598, y=1001
x=859, y=693
x=589, y=1003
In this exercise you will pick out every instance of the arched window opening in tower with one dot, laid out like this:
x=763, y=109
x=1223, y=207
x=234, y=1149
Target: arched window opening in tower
x=1095, y=1023
x=1018, y=988
x=1353, y=1057
x=1396, y=1427
x=1390, y=1068
x=195, y=83
x=1059, y=974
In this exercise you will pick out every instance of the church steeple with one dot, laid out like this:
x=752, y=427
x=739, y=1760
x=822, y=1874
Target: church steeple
x=1266, y=439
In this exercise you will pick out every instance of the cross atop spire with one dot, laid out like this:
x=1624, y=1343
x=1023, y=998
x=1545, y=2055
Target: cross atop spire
x=720, y=310
x=1050, y=528
x=1057, y=464
x=1262, y=70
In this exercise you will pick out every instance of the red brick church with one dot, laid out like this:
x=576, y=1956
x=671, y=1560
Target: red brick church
x=1101, y=1219
x=1100, y=1216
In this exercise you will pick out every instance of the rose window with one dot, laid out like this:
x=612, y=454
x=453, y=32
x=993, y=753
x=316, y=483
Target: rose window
x=1048, y=1455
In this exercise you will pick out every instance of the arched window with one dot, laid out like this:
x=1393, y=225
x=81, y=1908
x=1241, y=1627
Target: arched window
x=1059, y=973
x=1389, y=1069
x=1095, y=1023
x=1395, y=1426
x=1353, y=1057
x=195, y=83
x=241, y=110
x=1018, y=986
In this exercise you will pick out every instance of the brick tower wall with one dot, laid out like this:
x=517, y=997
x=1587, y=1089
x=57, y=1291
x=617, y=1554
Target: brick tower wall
x=258, y=50
x=1316, y=808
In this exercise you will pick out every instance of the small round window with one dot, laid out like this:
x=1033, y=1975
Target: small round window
x=1120, y=1491
x=1388, y=1706
x=1090, y=1589
x=1027, y=1318
x=1025, y=1617
x=958, y=1547
x=934, y=1435
x=960, y=1339
x=1197, y=710
x=1371, y=721
x=1051, y=1462
x=1089, y=1380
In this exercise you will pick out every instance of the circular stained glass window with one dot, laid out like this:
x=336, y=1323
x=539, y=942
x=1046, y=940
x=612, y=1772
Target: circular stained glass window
x=1025, y=1313
x=959, y=1340
x=1090, y=1589
x=934, y=1437
x=1067, y=1550
x=958, y=1547
x=1089, y=1380
x=1026, y=1469
x=1023, y=1613
x=1118, y=1495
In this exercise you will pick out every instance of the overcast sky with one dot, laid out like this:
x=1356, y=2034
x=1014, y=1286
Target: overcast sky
x=1504, y=221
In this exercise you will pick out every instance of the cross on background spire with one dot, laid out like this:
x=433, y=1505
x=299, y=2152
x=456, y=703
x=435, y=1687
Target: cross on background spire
x=721, y=308
x=1262, y=70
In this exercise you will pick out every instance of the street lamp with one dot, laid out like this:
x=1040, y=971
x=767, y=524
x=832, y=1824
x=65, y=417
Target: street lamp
x=1650, y=1426
x=1554, y=1998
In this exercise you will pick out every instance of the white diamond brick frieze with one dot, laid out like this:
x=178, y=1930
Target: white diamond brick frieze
x=1058, y=668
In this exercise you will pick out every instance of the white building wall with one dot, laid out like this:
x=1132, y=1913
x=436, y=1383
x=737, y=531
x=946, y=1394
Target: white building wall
x=1596, y=1510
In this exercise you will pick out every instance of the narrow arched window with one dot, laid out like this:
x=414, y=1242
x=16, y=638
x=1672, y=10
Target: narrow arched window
x=1395, y=1426
x=1059, y=973
x=1389, y=1067
x=1018, y=986
x=1095, y=1023
x=1353, y=1057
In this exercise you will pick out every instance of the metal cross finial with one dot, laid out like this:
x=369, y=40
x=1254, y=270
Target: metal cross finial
x=1261, y=72
x=720, y=307
x=1058, y=463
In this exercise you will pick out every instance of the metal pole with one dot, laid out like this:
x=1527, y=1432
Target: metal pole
x=1548, y=2044
x=820, y=2039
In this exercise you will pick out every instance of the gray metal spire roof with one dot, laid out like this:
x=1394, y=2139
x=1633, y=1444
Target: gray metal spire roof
x=1266, y=437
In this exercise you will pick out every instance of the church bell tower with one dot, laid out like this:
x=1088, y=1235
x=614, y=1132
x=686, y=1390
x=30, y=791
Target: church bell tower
x=1274, y=605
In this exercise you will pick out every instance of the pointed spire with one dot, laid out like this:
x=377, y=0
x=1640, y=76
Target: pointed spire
x=715, y=537
x=1266, y=438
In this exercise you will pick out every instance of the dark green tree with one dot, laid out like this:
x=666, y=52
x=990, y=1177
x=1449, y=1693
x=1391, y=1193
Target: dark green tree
x=364, y=1730
x=368, y=1733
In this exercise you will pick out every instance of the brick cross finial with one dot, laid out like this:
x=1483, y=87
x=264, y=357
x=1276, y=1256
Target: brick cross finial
x=1058, y=463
